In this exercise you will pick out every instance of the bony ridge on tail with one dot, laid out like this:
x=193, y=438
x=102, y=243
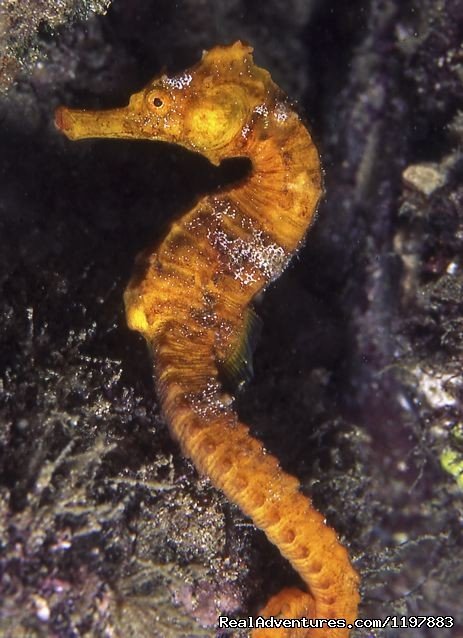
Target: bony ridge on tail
x=193, y=300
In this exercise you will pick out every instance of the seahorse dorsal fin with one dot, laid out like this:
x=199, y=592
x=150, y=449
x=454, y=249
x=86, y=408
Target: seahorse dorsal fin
x=237, y=368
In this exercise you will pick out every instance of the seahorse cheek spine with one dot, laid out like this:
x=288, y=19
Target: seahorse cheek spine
x=192, y=294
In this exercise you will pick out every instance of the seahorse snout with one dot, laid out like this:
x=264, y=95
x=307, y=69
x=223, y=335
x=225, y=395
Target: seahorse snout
x=61, y=119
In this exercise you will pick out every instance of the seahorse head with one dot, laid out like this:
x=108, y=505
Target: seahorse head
x=206, y=108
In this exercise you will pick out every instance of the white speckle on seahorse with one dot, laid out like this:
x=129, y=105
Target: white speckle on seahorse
x=267, y=259
x=178, y=82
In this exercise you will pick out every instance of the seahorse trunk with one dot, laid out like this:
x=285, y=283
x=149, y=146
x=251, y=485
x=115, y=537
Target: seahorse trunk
x=210, y=434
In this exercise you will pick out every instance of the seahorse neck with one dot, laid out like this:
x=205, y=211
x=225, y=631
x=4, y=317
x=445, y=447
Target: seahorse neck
x=284, y=186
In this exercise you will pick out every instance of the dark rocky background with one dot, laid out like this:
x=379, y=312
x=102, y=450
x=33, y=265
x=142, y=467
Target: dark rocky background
x=105, y=529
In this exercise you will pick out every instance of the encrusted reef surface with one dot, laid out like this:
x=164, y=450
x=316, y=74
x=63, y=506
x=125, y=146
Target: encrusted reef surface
x=26, y=24
x=105, y=529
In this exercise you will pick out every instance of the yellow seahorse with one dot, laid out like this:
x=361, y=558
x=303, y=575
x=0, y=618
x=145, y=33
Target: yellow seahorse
x=192, y=299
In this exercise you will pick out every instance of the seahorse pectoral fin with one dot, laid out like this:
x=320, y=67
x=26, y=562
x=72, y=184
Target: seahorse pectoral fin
x=237, y=367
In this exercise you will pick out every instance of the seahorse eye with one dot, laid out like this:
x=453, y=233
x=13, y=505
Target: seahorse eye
x=156, y=99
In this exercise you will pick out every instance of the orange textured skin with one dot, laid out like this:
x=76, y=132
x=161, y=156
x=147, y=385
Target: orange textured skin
x=190, y=295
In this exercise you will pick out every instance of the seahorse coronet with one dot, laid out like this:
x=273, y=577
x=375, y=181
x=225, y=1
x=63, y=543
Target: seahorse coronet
x=190, y=298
